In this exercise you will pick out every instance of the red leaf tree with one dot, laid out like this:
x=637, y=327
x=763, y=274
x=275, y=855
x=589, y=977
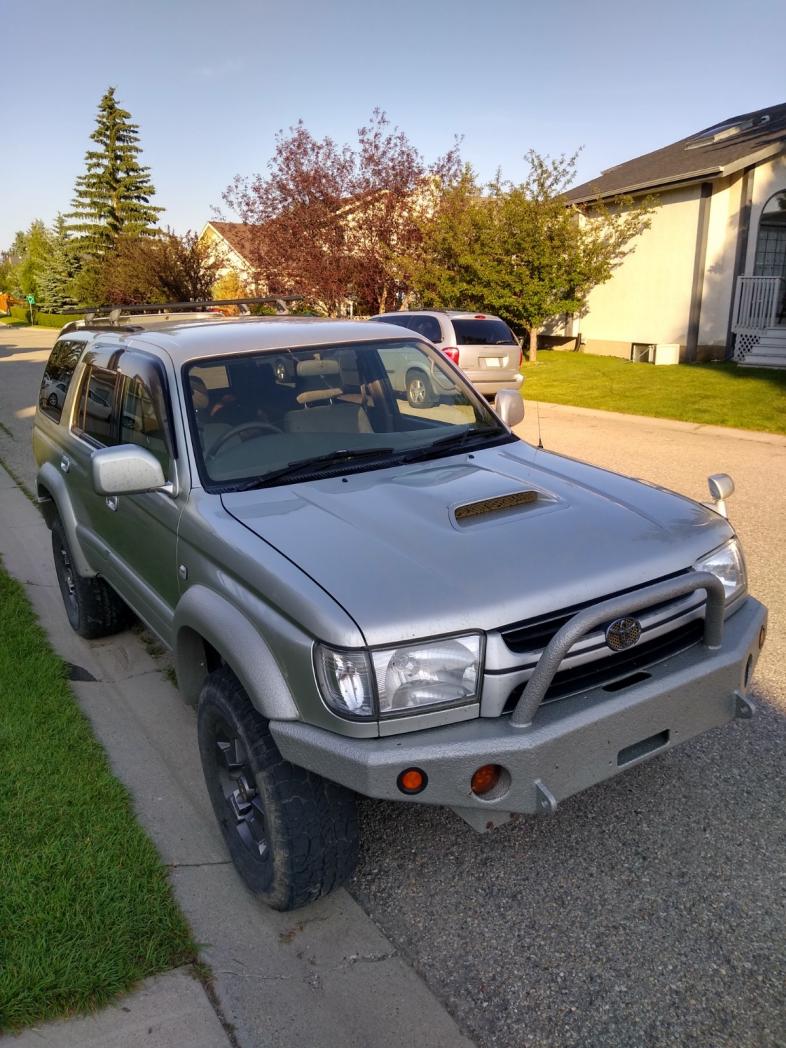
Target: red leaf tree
x=338, y=223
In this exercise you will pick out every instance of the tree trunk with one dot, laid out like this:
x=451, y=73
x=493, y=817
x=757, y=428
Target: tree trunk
x=533, y=345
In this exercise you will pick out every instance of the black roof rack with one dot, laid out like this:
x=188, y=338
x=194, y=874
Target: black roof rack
x=113, y=313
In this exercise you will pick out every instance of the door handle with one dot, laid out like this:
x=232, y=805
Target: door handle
x=65, y=463
x=111, y=503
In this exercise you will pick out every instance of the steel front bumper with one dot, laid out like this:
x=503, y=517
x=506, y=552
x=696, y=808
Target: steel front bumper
x=571, y=744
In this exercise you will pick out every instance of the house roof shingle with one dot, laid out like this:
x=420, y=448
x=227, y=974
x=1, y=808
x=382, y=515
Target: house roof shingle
x=716, y=150
x=239, y=236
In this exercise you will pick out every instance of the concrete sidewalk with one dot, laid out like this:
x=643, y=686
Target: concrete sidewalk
x=324, y=976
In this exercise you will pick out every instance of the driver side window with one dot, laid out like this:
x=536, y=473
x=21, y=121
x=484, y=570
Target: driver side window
x=141, y=422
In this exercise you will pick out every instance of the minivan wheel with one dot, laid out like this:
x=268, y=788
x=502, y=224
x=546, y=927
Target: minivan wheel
x=93, y=608
x=292, y=835
x=420, y=392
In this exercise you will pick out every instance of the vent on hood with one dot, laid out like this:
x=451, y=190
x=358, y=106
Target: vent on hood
x=469, y=513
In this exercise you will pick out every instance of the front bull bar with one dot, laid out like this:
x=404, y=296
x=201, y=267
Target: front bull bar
x=573, y=630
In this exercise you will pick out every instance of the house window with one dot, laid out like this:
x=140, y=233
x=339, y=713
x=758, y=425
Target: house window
x=771, y=242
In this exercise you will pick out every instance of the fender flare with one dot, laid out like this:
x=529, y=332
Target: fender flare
x=54, y=502
x=203, y=615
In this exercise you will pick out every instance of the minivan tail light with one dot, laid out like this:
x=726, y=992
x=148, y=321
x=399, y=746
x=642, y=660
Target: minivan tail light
x=452, y=353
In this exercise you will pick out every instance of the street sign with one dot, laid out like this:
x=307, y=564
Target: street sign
x=31, y=299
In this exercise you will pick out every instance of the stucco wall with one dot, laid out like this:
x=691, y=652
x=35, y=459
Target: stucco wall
x=648, y=298
x=719, y=264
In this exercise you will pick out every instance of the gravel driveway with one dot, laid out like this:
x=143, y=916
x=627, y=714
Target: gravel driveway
x=650, y=910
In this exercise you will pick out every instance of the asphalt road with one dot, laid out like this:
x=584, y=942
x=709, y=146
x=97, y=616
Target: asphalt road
x=648, y=911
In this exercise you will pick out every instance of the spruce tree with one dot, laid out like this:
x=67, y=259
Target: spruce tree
x=59, y=270
x=113, y=196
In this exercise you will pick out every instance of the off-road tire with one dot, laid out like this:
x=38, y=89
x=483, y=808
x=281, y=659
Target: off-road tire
x=292, y=835
x=92, y=606
x=420, y=392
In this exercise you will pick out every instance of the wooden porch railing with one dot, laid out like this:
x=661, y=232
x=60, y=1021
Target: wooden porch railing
x=757, y=302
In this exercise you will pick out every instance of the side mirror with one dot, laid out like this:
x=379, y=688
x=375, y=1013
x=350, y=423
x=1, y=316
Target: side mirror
x=125, y=470
x=721, y=487
x=509, y=406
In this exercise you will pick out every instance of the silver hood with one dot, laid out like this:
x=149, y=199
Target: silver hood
x=388, y=547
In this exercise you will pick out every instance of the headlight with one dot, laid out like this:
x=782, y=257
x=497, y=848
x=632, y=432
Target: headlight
x=728, y=564
x=430, y=674
x=397, y=680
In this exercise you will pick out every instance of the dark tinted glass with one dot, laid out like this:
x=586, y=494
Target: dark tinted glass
x=401, y=320
x=57, y=377
x=426, y=326
x=97, y=416
x=141, y=422
x=472, y=332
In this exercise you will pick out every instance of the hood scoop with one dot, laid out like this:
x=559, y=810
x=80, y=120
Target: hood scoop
x=498, y=507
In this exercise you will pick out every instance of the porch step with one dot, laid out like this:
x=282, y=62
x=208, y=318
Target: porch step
x=770, y=352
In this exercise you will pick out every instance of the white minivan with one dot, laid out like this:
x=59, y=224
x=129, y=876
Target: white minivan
x=483, y=346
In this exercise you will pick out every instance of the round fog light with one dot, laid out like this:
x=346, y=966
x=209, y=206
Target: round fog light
x=412, y=780
x=485, y=779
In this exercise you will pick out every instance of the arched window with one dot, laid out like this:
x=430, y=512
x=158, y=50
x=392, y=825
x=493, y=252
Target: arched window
x=771, y=242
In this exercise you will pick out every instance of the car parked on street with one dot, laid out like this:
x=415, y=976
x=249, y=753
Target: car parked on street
x=483, y=346
x=366, y=595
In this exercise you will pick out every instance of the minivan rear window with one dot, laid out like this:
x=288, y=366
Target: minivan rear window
x=473, y=332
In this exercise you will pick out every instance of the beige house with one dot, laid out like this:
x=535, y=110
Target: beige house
x=707, y=281
x=231, y=245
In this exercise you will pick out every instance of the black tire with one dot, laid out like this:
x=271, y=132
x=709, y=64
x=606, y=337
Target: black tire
x=93, y=608
x=292, y=835
x=420, y=392
x=52, y=400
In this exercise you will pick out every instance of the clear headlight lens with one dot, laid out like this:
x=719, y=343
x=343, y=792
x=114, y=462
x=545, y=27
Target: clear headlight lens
x=728, y=564
x=408, y=678
x=419, y=675
x=345, y=681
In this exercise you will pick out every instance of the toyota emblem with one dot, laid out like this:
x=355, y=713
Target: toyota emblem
x=623, y=633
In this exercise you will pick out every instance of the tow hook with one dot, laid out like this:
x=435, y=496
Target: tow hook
x=743, y=706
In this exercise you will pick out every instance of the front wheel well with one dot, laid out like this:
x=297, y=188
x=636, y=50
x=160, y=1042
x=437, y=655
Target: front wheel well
x=196, y=660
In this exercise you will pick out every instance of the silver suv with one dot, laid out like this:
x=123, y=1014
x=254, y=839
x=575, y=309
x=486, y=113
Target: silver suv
x=366, y=596
x=483, y=346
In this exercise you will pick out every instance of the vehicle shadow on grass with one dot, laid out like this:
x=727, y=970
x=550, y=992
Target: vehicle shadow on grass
x=649, y=910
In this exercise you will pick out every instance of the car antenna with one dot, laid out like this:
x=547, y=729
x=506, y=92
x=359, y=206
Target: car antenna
x=537, y=409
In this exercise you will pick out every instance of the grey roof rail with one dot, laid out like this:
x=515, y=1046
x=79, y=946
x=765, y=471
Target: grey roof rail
x=625, y=604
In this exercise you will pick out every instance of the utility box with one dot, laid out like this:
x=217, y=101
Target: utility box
x=655, y=353
x=667, y=353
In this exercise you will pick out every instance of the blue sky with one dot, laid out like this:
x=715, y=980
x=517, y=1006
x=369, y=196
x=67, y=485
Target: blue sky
x=211, y=83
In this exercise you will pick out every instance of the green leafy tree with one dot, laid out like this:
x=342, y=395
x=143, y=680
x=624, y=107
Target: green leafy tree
x=26, y=260
x=162, y=268
x=58, y=270
x=519, y=250
x=112, y=197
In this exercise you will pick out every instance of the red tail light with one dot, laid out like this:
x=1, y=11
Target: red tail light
x=452, y=353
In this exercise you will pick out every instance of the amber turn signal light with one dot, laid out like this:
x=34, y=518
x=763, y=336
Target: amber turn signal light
x=485, y=779
x=412, y=780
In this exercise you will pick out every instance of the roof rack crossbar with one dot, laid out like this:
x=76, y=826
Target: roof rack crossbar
x=114, y=311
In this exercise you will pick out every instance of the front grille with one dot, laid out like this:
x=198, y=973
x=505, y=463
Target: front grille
x=535, y=634
x=615, y=665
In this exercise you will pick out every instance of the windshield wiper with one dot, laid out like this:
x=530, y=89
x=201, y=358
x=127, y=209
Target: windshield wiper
x=311, y=465
x=453, y=440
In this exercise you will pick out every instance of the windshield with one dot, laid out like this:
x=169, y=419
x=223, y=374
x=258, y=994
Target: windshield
x=482, y=332
x=262, y=418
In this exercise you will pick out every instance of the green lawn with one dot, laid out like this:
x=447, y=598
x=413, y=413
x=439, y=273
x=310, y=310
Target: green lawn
x=85, y=904
x=717, y=394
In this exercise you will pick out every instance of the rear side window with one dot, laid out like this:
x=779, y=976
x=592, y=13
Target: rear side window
x=57, y=377
x=395, y=318
x=97, y=413
x=426, y=326
x=473, y=332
